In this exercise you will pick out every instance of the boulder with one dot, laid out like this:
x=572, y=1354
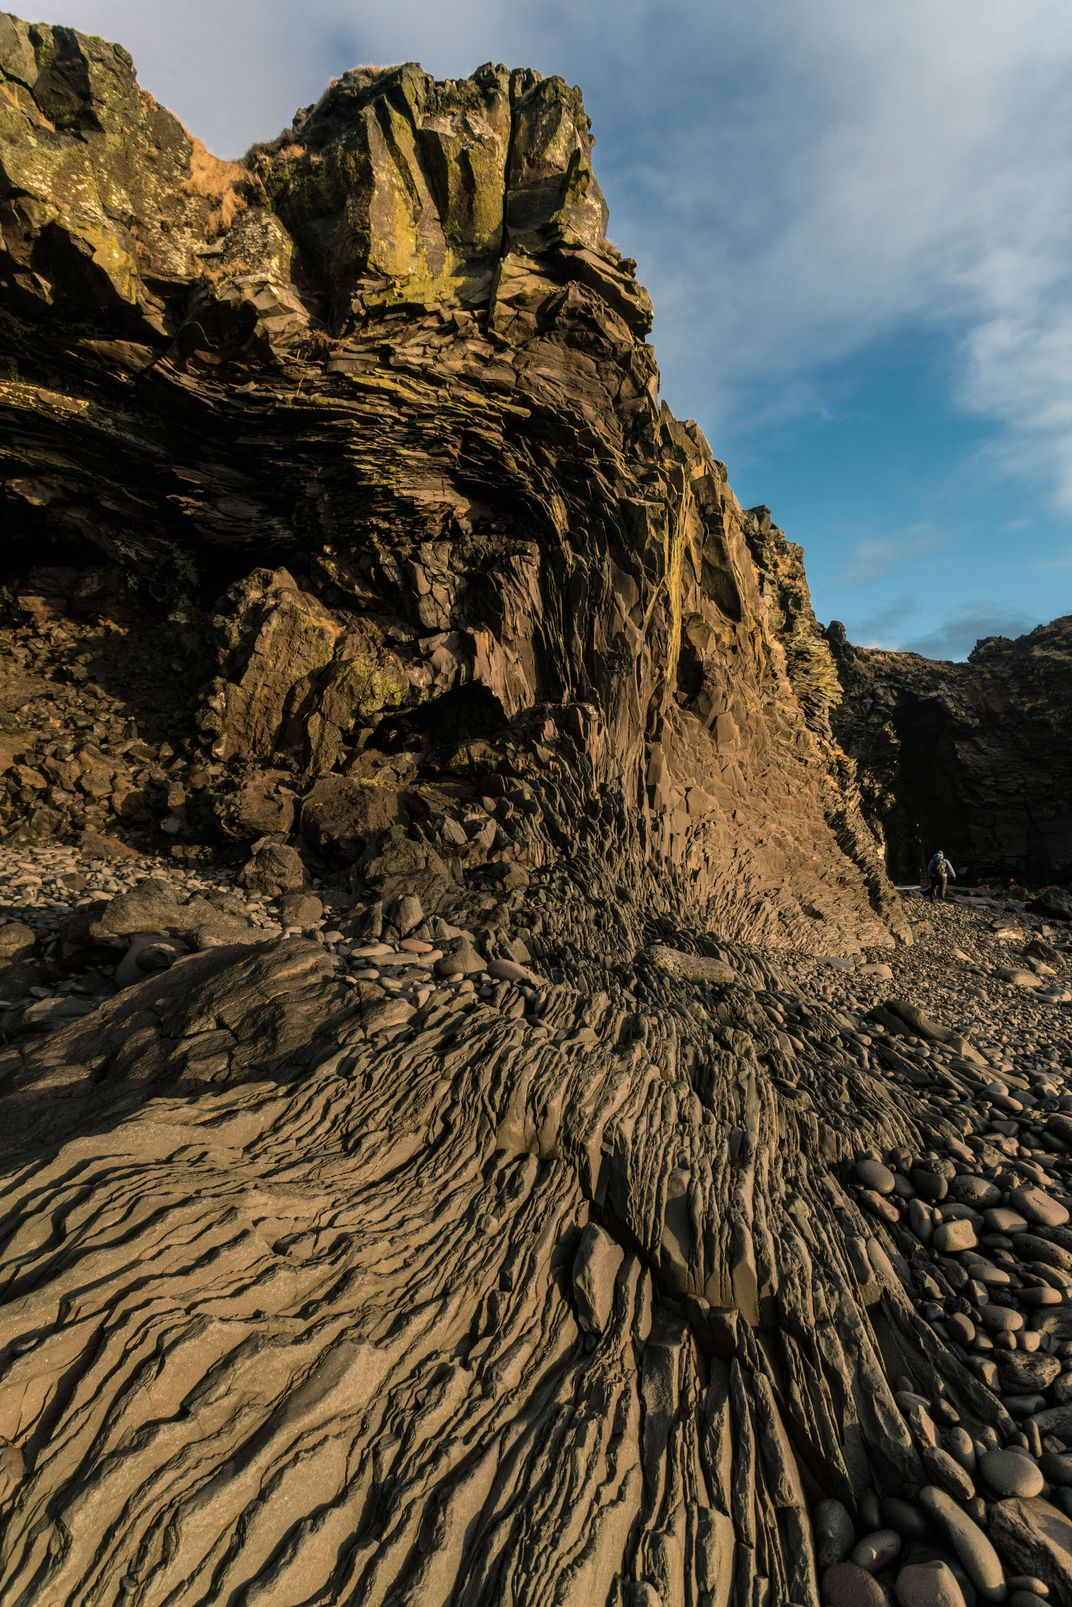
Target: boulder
x=300, y=909
x=1035, y=1538
x=928, y=1584
x=340, y=815
x=17, y=942
x=704, y=969
x=846, y=1585
x=596, y=1264
x=151, y=905
x=261, y=806
x=1010, y=1473
x=976, y=1553
x=273, y=868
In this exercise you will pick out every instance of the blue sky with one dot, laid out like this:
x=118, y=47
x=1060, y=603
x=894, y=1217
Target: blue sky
x=856, y=224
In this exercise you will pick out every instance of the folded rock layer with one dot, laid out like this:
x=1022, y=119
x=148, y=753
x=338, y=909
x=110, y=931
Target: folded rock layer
x=500, y=1221
x=371, y=415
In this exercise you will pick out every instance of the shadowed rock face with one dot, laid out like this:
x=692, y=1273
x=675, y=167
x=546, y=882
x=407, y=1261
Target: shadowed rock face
x=370, y=420
x=973, y=758
x=502, y=1223
x=442, y=1319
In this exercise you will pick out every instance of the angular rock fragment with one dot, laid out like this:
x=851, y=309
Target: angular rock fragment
x=524, y=1232
x=1036, y=1539
x=596, y=1265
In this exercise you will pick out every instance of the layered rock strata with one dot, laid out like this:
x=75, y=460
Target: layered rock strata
x=973, y=758
x=460, y=1204
x=555, y=1259
x=368, y=423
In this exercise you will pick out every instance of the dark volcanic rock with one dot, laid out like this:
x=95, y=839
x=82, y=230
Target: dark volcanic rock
x=974, y=758
x=373, y=413
x=522, y=1230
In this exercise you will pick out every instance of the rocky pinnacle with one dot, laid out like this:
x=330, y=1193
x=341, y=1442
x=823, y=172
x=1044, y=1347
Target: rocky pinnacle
x=474, y=1127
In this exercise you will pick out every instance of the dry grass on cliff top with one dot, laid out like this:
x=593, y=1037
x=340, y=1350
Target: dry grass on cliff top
x=216, y=180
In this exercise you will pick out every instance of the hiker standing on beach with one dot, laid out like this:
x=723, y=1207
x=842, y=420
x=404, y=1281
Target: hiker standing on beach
x=939, y=871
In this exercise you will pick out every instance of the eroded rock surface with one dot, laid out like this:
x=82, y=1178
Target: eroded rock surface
x=331, y=1258
x=367, y=430
x=465, y=1134
x=972, y=758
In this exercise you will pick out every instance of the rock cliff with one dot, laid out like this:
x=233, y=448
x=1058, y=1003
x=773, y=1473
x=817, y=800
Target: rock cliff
x=973, y=758
x=363, y=434
x=448, y=1152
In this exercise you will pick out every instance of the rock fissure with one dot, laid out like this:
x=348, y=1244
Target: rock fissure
x=473, y=1125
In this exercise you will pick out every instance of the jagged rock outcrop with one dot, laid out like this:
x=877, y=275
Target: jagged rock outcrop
x=457, y=1204
x=566, y=1259
x=368, y=425
x=972, y=758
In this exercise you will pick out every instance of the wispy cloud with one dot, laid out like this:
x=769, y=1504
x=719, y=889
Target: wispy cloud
x=880, y=628
x=899, y=167
x=1063, y=561
x=958, y=633
x=879, y=555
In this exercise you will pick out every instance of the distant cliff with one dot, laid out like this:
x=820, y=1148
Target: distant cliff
x=354, y=449
x=973, y=758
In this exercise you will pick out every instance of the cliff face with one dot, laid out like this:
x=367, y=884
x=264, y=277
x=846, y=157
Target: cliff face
x=973, y=758
x=363, y=434
x=458, y=1206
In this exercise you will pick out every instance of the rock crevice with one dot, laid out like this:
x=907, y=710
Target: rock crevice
x=373, y=413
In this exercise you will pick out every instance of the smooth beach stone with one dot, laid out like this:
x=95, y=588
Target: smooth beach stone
x=929, y=1185
x=909, y=1522
x=997, y=1319
x=873, y=1175
x=928, y=1584
x=951, y=1237
x=1038, y=1206
x=967, y=1189
x=1011, y=1473
x=835, y=1532
x=977, y=1556
x=846, y=1585
x=876, y=1550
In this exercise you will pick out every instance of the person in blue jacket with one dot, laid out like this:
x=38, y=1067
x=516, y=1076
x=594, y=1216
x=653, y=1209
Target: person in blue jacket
x=939, y=871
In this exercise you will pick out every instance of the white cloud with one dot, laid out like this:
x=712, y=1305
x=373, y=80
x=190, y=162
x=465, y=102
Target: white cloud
x=796, y=179
x=875, y=557
x=922, y=160
x=958, y=634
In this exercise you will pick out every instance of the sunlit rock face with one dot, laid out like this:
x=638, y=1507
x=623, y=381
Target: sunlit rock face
x=372, y=415
x=517, y=1214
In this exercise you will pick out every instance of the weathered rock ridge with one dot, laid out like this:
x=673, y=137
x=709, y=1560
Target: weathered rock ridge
x=362, y=432
x=973, y=758
x=448, y=1153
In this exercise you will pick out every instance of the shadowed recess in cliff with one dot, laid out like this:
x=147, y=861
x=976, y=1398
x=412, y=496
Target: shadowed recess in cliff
x=973, y=758
x=394, y=352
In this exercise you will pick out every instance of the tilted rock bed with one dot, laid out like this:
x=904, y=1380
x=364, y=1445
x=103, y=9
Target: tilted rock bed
x=553, y=1256
x=341, y=505
x=419, y=1207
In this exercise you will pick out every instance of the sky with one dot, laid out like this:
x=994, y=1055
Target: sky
x=855, y=221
